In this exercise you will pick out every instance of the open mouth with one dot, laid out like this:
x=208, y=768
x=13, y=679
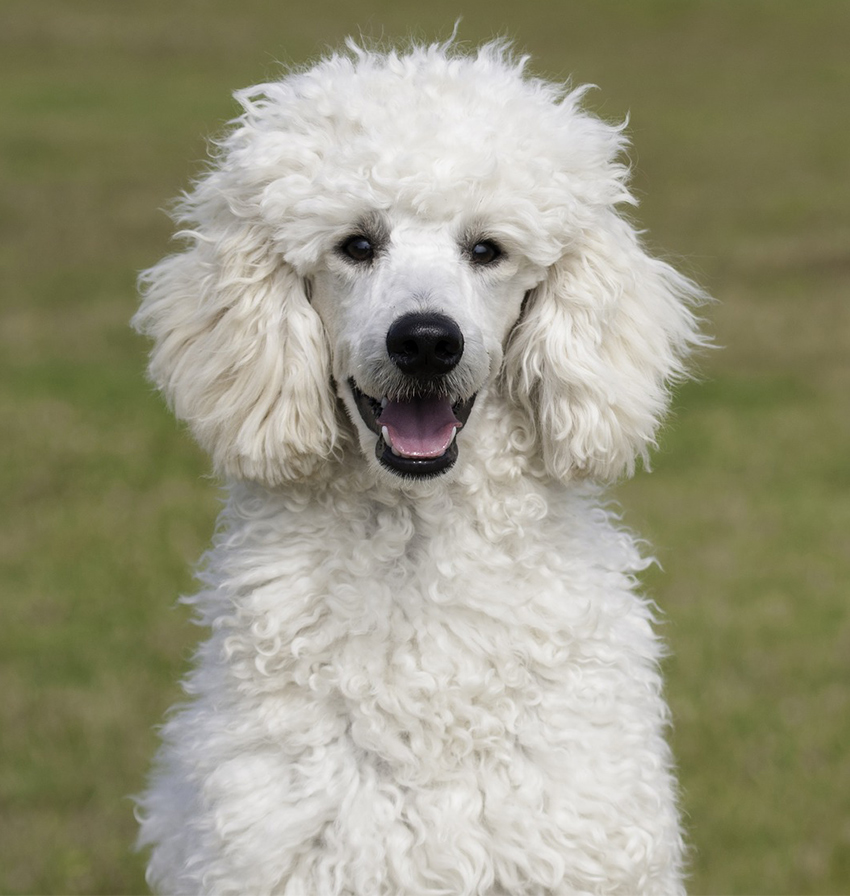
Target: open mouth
x=416, y=436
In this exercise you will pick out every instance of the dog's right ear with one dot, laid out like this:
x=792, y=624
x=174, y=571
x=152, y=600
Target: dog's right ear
x=240, y=354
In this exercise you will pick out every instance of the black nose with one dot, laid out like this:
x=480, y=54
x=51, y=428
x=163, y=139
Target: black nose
x=425, y=345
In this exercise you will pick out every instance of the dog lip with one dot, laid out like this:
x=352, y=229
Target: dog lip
x=409, y=467
x=369, y=408
x=416, y=467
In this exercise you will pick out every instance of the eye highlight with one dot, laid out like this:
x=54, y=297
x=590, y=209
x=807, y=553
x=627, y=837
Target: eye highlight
x=358, y=248
x=484, y=252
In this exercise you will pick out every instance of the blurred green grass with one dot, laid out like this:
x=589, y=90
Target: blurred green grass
x=739, y=113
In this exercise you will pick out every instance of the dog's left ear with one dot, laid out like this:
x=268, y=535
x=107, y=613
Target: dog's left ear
x=600, y=342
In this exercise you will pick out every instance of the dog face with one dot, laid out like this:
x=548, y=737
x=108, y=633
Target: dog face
x=417, y=315
x=391, y=234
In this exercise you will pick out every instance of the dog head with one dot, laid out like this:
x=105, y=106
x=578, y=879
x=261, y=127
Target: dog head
x=395, y=234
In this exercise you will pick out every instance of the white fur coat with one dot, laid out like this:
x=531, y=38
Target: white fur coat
x=443, y=683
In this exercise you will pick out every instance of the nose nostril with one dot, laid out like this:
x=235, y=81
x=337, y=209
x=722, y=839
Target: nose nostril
x=446, y=350
x=425, y=345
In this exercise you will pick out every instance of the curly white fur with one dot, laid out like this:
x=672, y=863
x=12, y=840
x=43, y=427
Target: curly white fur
x=432, y=685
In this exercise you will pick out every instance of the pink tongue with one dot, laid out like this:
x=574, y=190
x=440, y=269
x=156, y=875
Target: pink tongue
x=421, y=427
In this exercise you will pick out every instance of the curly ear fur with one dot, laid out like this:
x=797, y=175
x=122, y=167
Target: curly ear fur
x=240, y=355
x=592, y=358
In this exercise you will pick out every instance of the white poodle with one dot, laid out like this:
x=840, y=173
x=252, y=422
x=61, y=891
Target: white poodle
x=412, y=330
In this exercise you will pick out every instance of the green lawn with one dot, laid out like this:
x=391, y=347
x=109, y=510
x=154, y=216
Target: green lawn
x=740, y=111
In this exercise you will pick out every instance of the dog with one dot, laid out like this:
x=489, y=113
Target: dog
x=417, y=335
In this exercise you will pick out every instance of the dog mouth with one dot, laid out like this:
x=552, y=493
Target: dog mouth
x=417, y=435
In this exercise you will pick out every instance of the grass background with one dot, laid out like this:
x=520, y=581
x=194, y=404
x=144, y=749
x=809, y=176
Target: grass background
x=739, y=113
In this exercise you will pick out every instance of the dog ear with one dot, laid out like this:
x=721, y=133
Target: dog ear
x=240, y=354
x=600, y=342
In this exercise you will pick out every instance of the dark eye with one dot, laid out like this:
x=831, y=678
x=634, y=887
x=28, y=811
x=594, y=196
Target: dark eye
x=358, y=248
x=485, y=252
